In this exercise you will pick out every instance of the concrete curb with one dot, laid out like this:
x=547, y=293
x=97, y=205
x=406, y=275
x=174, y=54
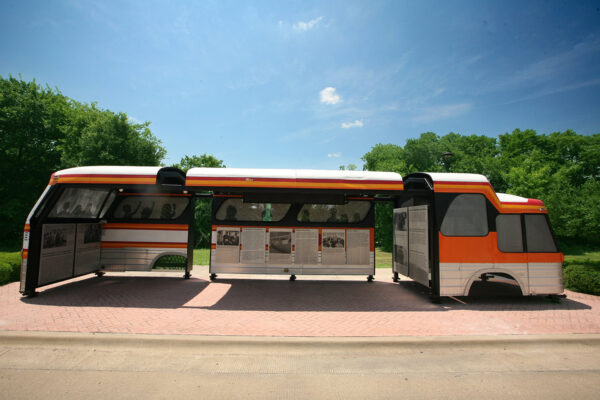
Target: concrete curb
x=275, y=344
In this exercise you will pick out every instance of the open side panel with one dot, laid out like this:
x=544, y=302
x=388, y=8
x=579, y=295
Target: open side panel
x=280, y=234
x=400, y=254
x=411, y=243
x=68, y=250
x=418, y=239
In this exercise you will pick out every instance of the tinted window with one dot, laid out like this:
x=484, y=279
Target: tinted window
x=510, y=235
x=539, y=236
x=79, y=203
x=466, y=216
x=351, y=212
x=237, y=210
x=151, y=207
x=108, y=203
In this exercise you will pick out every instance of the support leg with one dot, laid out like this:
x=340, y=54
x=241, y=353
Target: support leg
x=370, y=278
x=99, y=273
x=395, y=278
x=292, y=277
x=213, y=276
x=187, y=275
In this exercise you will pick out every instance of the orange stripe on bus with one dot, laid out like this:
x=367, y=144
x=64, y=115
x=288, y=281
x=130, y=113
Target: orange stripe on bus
x=297, y=185
x=159, y=227
x=485, y=250
x=104, y=179
x=113, y=245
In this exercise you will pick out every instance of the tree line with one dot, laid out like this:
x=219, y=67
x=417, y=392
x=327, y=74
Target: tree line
x=42, y=131
x=562, y=169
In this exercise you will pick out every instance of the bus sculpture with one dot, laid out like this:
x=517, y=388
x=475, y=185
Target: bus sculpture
x=449, y=229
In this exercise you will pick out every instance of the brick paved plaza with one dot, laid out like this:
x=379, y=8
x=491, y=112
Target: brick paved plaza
x=164, y=303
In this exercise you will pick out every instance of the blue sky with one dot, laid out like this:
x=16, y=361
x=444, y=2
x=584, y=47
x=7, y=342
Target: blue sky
x=305, y=84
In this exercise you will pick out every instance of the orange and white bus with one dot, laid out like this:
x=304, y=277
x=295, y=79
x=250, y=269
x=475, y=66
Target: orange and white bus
x=293, y=222
x=110, y=218
x=449, y=229
x=453, y=229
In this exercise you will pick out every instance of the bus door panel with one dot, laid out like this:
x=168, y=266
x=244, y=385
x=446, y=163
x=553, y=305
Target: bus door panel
x=68, y=250
x=57, y=253
x=544, y=260
x=87, y=248
x=400, y=253
x=418, y=241
x=411, y=243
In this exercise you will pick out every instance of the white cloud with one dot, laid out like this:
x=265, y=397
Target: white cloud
x=356, y=124
x=334, y=155
x=304, y=26
x=430, y=114
x=329, y=96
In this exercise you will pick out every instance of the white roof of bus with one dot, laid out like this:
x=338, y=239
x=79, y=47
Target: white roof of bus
x=109, y=170
x=511, y=198
x=456, y=177
x=293, y=174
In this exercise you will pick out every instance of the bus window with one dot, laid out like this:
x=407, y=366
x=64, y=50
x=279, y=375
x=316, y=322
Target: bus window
x=510, y=235
x=352, y=212
x=539, y=236
x=466, y=216
x=108, y=203
x=151, y=207
x=237, y=210
x=79, y=203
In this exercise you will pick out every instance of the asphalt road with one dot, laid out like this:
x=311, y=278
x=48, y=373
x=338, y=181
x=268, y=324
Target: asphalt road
x=92, y=366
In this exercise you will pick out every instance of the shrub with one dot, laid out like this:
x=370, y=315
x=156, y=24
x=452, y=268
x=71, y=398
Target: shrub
x=10, y=267
x=171, y=262
x=582, y=277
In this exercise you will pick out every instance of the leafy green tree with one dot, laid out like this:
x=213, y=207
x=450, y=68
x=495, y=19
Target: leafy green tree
x=349, y=167
x=204, y=160
x=562, y=169
x=31, y=121
x=42, y=131
x=203, y=206
x=102, y=137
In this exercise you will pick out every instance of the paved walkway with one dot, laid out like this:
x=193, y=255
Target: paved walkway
x=164, y=303
x=80, y=366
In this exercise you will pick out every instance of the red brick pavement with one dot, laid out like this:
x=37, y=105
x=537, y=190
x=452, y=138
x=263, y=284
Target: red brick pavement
x=171, y=305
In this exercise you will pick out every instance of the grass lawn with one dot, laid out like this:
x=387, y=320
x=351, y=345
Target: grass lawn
x=383, y=259
x=201, y=256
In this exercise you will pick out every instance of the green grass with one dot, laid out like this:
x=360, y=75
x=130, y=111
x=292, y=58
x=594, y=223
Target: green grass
x=10, y=266
x=383, y=259
x=201, y=256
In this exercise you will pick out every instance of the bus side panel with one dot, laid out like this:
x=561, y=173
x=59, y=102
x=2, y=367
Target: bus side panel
x=464, y=259
x=545, y=273
x=136, y=246
x=227, y=257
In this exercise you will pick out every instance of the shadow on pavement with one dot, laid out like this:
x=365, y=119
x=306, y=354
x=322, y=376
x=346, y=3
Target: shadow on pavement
x=279, y=295
x=506, y=296
x=312, y=295
x=122, y=291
